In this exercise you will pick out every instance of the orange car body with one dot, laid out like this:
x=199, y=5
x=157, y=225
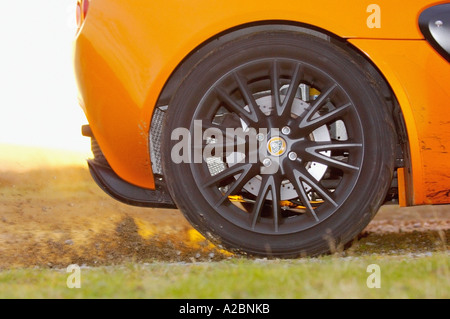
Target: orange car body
x=125, y=53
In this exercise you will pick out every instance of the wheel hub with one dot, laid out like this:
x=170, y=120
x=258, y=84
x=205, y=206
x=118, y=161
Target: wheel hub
x=276, y=146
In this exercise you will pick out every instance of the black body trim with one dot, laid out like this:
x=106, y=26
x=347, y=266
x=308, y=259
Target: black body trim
x=434, y=23
x=127, y=193
x=113, y=185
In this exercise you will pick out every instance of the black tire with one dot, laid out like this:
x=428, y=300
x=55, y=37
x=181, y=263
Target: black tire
x=323, y=93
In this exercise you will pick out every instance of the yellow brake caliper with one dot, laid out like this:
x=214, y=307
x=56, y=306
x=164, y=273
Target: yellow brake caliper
x=283, y=203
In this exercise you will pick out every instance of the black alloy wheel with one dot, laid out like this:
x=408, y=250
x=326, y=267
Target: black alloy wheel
x=291, y=147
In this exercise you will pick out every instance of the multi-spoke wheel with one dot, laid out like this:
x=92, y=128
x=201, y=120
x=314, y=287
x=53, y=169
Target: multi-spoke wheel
x=290, y=147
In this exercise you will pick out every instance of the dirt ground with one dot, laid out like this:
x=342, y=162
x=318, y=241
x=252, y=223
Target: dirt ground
x=53, y=216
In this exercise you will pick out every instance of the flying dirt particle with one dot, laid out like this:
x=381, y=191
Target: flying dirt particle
x=144, y=230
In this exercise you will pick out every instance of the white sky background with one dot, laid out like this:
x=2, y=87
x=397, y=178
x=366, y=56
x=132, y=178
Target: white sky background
x=37, y=87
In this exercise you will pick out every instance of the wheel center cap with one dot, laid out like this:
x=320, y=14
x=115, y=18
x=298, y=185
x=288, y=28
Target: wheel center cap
x=276, y=146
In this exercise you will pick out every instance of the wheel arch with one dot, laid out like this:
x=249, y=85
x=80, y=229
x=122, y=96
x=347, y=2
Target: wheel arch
x=403, y=157
x=195, y=55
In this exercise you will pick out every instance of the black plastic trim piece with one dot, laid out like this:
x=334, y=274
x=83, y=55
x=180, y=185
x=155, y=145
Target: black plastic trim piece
x=86, y=131
x=127, y=193
x=434, y=23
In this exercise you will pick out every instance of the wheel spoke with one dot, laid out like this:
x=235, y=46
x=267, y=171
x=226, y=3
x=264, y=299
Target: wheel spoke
x=306, y=124
x=332, y=116
x=269, y=184
x=246, y=172
x=275, y=85
x=259, y=203
x=301, y=175
x=317, y=104
x=330, y=161
x=334, y=145
x=248, y=96
x=235, y=106
x=239, y=168
x=313, y=152
x=294, y=178
x=276, y=198
x=285, y=108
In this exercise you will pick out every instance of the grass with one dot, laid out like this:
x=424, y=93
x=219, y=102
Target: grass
x=55, y=216
x=423, y=276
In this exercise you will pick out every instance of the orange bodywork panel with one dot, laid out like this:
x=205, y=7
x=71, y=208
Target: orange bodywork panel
x=127, y=49
x=420, y=79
